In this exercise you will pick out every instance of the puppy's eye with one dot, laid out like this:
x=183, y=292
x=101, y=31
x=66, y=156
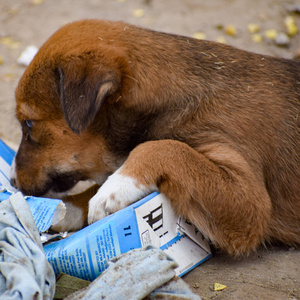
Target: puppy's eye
x=27, y=129
x=28, y=123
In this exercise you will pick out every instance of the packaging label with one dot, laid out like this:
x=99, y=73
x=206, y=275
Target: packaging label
x=85, y=253
x=160, y=226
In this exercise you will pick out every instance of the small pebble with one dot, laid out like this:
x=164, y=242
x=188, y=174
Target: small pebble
x=293, y=8
x=282, y=40
x=27, y=55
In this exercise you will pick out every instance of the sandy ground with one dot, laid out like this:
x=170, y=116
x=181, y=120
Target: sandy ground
x=272, y=273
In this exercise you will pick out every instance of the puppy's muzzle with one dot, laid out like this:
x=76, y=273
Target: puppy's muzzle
x=56, y=183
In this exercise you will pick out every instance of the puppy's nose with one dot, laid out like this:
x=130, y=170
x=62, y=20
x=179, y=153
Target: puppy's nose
x=13, y=182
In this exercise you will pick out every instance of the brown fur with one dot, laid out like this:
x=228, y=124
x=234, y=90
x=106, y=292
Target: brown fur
x=216, y=128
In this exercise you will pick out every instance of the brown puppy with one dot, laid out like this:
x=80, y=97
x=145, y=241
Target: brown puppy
x=214, y=128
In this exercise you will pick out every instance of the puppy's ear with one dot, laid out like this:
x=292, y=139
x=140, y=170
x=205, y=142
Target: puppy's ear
x=83, y=89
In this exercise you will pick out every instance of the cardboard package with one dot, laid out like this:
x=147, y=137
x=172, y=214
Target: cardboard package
x=150, y=221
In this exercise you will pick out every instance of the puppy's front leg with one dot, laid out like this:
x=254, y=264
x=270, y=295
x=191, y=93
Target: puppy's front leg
x=215, y=189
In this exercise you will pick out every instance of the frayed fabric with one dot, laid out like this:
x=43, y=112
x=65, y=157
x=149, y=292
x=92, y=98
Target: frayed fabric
x=24, y=270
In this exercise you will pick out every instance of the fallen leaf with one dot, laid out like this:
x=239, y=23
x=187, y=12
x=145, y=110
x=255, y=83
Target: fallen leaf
x=253, y=28
x=138, y=13
x=221, y=39
x=291, y=26
x=219, y=26
x=199, y=35
x=8, y=77
x=10, y=42
x=37, y=2
x=230, y=30
x=257, y=38
x=271, y=34
x=219, y=287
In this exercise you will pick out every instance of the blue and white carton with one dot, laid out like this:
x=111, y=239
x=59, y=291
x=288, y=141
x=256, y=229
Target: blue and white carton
x=150, y=221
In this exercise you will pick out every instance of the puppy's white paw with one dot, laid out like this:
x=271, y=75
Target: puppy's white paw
x=117, y=192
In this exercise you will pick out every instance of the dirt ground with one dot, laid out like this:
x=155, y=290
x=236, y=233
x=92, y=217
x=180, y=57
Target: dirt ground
x=272, y=273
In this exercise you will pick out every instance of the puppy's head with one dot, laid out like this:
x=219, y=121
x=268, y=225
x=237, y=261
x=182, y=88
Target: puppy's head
x=60, y=101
